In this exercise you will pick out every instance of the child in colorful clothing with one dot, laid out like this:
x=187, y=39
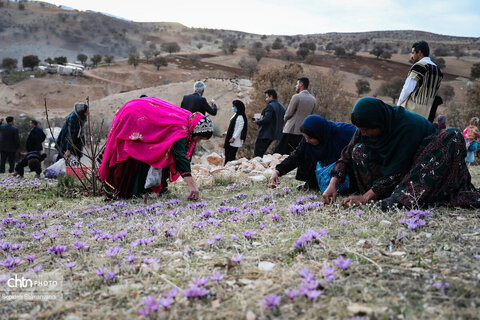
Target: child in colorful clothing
x=471, y=137
x=473, y=125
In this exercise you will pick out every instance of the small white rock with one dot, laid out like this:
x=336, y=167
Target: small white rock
x=385, y=223
x=258, y=178
x=266, y=266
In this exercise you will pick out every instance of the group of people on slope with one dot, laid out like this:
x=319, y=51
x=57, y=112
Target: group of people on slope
x=389, y=154
x=396, y=156
x=149, y=132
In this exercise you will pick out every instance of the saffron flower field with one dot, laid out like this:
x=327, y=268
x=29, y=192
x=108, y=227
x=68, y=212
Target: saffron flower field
x=242, y=252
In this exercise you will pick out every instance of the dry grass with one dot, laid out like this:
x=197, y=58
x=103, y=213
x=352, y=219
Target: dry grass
x=388, y=278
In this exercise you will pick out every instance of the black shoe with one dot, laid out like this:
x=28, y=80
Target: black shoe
x=303, y=187
x=386, y=204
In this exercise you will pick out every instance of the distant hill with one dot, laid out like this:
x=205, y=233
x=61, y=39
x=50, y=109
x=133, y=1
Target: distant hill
x=49, y=31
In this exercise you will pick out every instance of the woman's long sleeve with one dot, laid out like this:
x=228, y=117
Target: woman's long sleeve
x=293, y=160
x=179, y=154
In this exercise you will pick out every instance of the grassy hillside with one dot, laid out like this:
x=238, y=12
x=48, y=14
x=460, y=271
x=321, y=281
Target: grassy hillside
x=225, y=256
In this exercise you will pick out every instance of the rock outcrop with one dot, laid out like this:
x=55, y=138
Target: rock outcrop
x=209, y=167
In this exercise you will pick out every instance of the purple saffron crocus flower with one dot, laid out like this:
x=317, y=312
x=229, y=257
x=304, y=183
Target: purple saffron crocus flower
x=165, y=302
x=330, y=278
x=150, y=303
x=16, y=246
x=70, y=265
x=111, y=275
x=271, y=301
x=129, y=259
x=217, y=237
x=76, y=232
x=79, y=245
x=36, y=269
x=313, y=294
x=30, y=258
x=37, y=236
x=261, y=226
x=237, y=258
x=217, y=276
x=342, y=263
x=172, y=293
x=441, y=286
x=170, y=233
x=112, y=251
x=101, y=272
x=200, y=282
x=57, y=250
x=10, y=262
x=210, y=242
x=343, y=222
x=328, y=273
x=195, y=292
x=359, y=212
x=291, y=293
x=248, y=235
x=306, y=274
x=149, y=261
x=327, y=270
x=234, y=237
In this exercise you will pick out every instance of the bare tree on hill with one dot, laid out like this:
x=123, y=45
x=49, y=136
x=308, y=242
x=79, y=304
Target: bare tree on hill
x=363, y=86
x=159, y=62
x=250, y=66
x=108, y=59
x=133, y=59
x=391, y=88
x=257, y=50
x=148, y=54
x=377, y=51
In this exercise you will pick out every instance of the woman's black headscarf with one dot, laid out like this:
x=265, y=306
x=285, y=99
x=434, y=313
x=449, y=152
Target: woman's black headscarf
x=332, y=137
x=231, y=127
x=401, y=132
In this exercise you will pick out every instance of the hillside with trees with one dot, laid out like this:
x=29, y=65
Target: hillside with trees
x=32, y=27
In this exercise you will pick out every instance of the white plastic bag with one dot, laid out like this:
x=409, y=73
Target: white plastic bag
x=72, y=161
x=55, y=170
x=154, y=178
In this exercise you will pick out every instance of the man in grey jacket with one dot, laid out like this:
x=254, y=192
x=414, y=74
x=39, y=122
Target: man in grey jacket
x=270, y=124
x=301, y=105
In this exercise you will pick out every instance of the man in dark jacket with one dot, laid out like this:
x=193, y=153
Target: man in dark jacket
x=9, y=143
x=195, y=102
x=35, y=137
x=270, y=124
x=71, y=138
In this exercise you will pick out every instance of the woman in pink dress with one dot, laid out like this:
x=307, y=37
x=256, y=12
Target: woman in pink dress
x=150, y=132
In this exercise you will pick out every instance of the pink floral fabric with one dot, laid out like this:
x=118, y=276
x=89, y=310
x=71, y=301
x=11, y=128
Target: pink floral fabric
x=145, y=129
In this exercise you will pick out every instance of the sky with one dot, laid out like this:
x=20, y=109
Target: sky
x=283, y=17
